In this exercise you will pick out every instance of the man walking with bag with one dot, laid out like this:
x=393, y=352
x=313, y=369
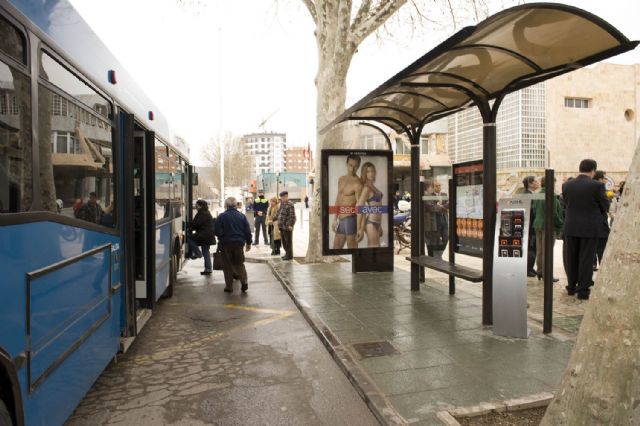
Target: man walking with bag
x=234, y=235
x=286, y=221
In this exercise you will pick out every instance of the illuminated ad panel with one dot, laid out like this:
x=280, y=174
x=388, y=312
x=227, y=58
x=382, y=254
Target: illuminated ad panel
x=467, y=180
x=356, y=201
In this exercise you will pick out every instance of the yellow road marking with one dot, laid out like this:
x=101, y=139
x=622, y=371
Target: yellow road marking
x=169, y=352
x=252, y=309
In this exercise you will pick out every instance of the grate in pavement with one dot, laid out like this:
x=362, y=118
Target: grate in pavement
x=374, y=349
x=569, y=323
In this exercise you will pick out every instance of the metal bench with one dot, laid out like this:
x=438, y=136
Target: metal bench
x=459, y=271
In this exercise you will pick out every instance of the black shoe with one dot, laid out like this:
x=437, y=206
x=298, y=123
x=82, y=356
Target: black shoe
x=286, y=258
x=583, y=296
x=228, y=290
x=571, y=291
x=244, y=288
x=196, y=257
x=555, y=280
x=532, y=274
x=205, y=273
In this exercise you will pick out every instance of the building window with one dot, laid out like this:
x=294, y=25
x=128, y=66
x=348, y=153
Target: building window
x=64, y=143
x=576, y=103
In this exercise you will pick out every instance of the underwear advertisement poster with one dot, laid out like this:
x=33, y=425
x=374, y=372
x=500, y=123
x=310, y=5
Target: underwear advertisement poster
x=467, y=181
x=356, y=201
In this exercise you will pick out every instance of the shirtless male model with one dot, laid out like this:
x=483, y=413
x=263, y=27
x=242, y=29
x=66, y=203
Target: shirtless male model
x=345, y=220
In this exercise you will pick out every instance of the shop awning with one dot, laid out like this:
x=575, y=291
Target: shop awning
x=508, y=51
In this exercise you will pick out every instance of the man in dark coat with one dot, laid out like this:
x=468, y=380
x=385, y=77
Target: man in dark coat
x=234, y=235
x=586, y=202
x=260, y=207
x=202, y=228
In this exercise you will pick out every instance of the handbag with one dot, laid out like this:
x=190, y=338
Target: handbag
x=217, y=260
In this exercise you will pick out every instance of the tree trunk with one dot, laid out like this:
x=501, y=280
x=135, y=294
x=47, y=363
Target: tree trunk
x=601, y=385
x=332, y=90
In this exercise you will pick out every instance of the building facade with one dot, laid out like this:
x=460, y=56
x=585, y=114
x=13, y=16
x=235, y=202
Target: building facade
x=298, y=159
x=588, y=113
x=266, y=150
x=593, y=113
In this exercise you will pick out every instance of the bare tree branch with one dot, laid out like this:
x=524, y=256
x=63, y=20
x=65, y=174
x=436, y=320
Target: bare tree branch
x=375, y=19
x=362, y=13
x=311, y=7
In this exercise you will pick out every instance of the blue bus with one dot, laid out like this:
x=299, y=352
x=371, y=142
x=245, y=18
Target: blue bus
x=94, y=189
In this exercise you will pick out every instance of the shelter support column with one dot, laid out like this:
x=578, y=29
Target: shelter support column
x=416, y=201
x=549, y=240
x=488, y=217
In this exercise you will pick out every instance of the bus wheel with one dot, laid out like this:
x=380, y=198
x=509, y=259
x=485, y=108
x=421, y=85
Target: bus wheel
x=5, y=416
x=173, y=275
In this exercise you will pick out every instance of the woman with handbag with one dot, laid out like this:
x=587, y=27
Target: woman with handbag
x=202, y=228
x=272, y=221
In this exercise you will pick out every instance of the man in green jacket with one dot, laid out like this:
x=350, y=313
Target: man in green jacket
x=538, y=226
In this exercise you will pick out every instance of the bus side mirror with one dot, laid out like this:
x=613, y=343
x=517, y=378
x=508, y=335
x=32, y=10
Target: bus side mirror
x=194, y=179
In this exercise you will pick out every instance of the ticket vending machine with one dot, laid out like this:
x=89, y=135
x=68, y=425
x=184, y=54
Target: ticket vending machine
x=510, y=268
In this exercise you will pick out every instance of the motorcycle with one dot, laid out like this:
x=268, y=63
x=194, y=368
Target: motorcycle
x=402, y=228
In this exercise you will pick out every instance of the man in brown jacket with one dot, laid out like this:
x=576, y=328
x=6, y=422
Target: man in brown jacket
x=286, y=221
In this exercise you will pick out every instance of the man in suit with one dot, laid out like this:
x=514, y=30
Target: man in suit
x=586, y=202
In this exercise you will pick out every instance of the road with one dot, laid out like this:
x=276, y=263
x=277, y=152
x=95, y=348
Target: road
x=211, y=358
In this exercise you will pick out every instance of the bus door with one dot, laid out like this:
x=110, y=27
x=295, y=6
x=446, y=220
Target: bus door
x=139, y=296
x=144, y=217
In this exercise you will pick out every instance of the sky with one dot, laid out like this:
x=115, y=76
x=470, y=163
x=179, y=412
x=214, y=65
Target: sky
x=219, y=67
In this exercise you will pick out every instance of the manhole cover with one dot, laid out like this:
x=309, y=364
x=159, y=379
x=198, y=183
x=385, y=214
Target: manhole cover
x=373, y=349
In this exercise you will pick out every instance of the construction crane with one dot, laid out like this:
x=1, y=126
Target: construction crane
x=264, y=120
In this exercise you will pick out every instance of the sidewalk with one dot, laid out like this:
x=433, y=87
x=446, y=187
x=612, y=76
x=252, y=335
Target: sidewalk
x=425, y=351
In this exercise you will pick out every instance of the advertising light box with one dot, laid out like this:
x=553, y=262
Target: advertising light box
x=356, y=201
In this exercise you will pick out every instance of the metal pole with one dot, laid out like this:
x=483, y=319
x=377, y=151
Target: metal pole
x=421, y=228
x=416, y=200
x=549, y=237
x=488, y=218
x=452, y=232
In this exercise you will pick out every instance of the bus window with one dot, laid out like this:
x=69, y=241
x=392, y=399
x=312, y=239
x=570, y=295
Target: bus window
x=62, y=78
x=76, y=160
x=163, y=181
x=15, y=139
x=12, y=42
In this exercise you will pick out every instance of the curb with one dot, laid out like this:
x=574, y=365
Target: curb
x=531, y=401
x=377, y=402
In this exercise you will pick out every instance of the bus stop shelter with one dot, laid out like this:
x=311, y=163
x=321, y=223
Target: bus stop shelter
x=478, y=66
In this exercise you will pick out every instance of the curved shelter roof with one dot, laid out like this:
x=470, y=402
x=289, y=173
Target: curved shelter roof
x=508, y=51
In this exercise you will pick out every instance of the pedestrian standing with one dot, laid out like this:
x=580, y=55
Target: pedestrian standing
x=531, y=185
x=234, y=235
x=260, y=207
x=272, y=222
x=539, y=226
x=201, y=234
x=286, y=221
x=306, y=201
x=605, y=229
x=586, y=202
